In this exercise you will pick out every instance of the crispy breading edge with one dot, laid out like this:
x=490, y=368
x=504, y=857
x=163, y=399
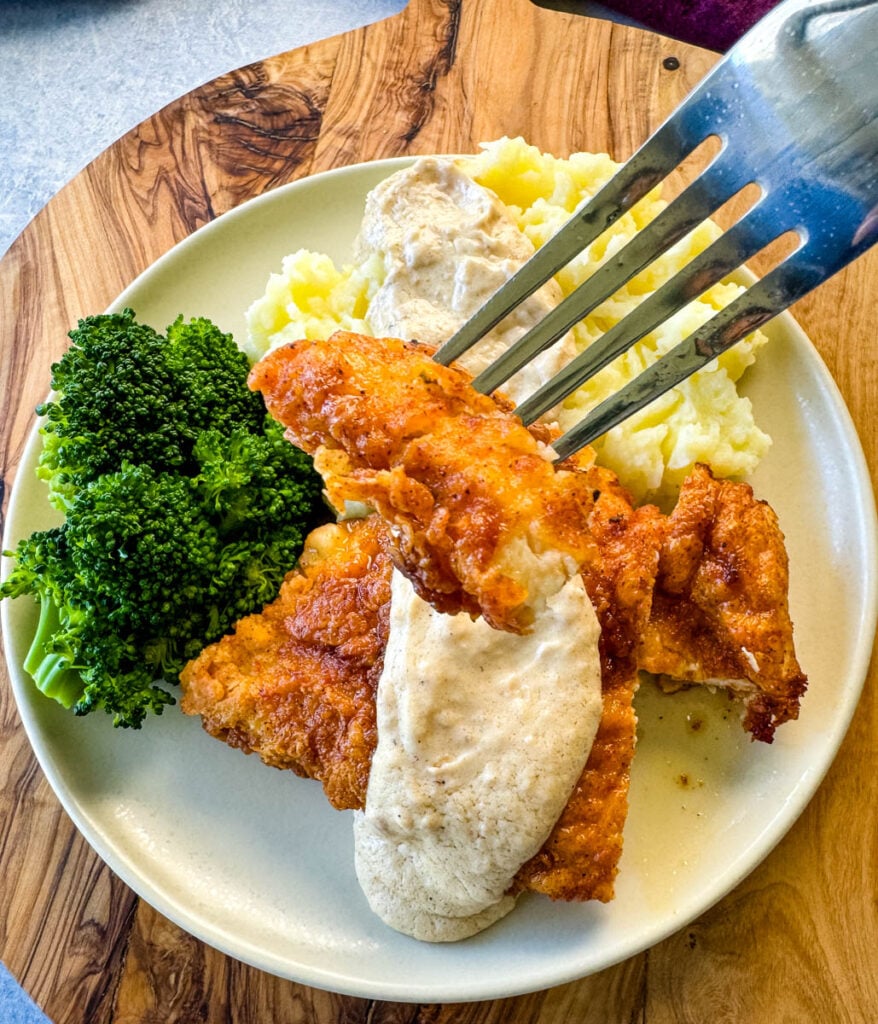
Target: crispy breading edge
x=720, y=611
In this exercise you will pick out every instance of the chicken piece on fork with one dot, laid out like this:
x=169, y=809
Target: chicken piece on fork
x=482, y=521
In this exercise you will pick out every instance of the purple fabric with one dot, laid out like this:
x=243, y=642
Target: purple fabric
x=714, y=24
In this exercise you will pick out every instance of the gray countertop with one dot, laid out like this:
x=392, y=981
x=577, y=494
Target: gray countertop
x=77, y=74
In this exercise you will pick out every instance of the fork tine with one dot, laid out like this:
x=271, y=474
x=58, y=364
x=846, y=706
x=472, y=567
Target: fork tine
x=795, y=105
x=743, y=240
x=761, y=302
x=655, y=159
x=725, y=176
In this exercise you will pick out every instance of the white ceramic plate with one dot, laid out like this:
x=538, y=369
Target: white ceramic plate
x=256, y=863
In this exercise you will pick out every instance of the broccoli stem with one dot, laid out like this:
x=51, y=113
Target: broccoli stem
x=49, y=670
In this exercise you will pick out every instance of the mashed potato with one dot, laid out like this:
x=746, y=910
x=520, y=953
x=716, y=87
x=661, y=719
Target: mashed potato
x=702, y=420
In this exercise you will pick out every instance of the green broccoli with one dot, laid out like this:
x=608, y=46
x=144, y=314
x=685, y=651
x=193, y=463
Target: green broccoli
x=184, y=507
x=126, y=393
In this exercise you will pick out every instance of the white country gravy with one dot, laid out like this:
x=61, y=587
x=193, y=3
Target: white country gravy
x=482, y=736
x=448, y=244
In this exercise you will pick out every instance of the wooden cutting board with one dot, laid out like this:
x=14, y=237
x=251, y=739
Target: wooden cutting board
x=796, y=940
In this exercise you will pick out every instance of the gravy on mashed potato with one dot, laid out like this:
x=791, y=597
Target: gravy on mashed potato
x=704, y=419
x=447, y=244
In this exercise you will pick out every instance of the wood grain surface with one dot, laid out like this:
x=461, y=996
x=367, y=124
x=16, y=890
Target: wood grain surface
x=796, y=940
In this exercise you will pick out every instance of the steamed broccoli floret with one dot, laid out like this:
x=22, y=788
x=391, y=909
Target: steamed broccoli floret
x=254, y=486
x=142, y=550
x=75, y=657
x=125, y=393
x=185, y=508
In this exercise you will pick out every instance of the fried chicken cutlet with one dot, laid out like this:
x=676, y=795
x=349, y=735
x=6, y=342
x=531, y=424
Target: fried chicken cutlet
x=482, y=521
x=671, y=593
x=719, y=610
x=296, y=684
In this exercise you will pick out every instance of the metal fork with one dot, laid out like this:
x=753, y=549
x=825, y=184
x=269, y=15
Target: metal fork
x=795, y=106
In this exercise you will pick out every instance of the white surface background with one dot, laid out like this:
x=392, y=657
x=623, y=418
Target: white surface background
x=77, y=74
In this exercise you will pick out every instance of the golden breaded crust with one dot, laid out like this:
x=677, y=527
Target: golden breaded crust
x=296, y=683
x=482, y=520
x=579, y=860
x=322, y=642
x=720, y=610
x=464, y=492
